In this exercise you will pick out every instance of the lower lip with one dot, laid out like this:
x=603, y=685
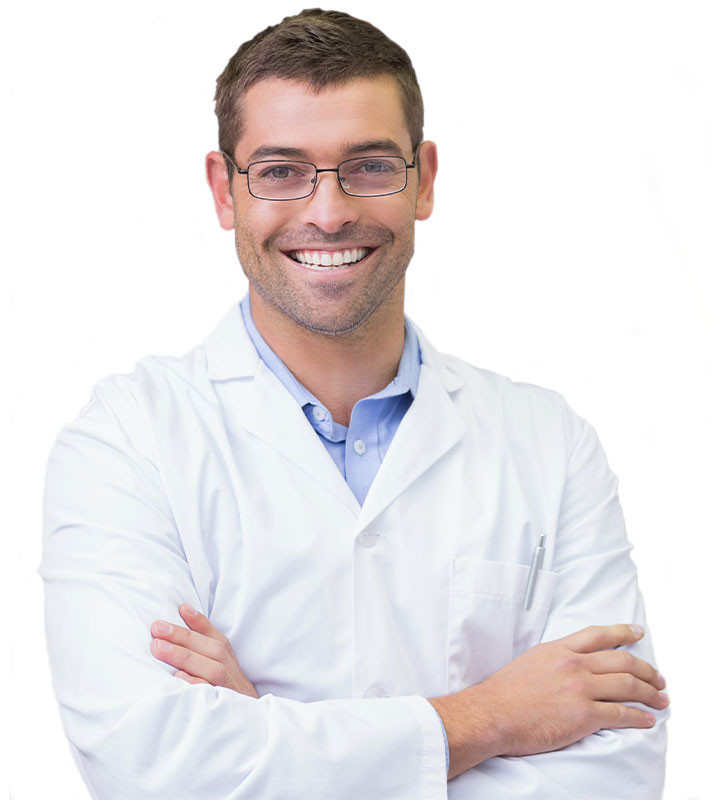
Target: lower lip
x=331, y=271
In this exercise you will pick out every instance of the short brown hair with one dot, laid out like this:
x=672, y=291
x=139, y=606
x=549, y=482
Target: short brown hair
x=320, y=48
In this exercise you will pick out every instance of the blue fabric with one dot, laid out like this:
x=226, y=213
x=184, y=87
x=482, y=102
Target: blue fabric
x=358, y=451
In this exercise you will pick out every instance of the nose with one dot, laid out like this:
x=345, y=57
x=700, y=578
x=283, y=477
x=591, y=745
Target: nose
x=328, y=206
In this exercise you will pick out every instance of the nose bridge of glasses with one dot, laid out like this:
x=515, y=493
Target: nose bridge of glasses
x=340, y=179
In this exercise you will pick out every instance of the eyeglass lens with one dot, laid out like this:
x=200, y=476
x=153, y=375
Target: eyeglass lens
x=291, y=180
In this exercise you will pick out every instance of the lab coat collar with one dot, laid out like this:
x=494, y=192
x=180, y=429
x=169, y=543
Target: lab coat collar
x=229, y=350
x=431, y=427
x=231, y=354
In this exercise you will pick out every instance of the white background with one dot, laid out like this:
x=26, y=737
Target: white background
x=570, y=247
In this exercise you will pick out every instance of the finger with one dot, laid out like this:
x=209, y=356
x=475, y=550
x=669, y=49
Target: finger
x=616, y=715
x=603, y=637
x=199, y=622
x=625, y=688
x=187, y=678
x=177, y=634
x=189, y=662
x=606, y=661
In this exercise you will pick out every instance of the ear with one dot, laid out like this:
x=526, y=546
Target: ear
x=216, y=173
x=428, y=156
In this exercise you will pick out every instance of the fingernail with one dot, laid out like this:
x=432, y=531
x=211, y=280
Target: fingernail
x=665, y=699
x=651, y=718
x=162, y=645
x=189, y=609
x=637, y=630
x=164, y=628
x=662, y=680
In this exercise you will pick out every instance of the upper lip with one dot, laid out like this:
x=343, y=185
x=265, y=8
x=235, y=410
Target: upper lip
x=317, y=248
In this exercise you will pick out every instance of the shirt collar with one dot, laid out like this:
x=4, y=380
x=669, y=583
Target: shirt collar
x=230, y=353
x=405, y=380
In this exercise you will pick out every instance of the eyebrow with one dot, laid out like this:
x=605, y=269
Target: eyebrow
x=384, y=146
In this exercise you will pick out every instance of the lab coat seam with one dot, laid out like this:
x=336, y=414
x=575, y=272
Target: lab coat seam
x=171, y=365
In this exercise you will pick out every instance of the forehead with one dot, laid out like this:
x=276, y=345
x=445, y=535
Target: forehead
x=281, y=113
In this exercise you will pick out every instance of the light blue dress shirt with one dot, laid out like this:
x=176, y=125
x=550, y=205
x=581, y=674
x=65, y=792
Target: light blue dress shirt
x=358, y=451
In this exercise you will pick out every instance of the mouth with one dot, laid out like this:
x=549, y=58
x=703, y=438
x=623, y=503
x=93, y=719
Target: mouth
x=330, y=259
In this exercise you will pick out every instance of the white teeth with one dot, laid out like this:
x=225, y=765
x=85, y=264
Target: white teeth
x=334, y=259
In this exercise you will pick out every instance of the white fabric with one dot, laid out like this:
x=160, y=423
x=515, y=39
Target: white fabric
x=200, y=480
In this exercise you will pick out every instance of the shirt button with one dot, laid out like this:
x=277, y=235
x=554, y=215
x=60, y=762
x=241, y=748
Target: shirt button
x=367, y=538
x=319, y=413
x=374, y=691
x=359, y=447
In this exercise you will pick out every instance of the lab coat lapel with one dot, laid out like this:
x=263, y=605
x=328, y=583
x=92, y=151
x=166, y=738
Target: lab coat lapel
x=276, y=417
x=430, y=429
x=259, y=403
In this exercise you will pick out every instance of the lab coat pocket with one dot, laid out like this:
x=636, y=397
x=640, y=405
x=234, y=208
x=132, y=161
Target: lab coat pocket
x=488, y=627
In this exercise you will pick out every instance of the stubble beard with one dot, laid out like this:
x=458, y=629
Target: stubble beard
x=331, y=309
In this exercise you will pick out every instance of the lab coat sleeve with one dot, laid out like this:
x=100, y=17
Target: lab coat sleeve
x=596, y=585
x=112, y=563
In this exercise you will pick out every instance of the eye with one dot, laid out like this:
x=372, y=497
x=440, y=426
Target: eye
x=280, y=172
x=374, y=166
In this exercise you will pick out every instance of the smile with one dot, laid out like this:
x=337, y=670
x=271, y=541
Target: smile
x=331, y=259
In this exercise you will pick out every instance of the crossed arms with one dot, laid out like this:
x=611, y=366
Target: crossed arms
x=549, y=697
x=114, y=564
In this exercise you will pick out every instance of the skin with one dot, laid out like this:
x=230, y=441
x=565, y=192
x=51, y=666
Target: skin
x=340, y=332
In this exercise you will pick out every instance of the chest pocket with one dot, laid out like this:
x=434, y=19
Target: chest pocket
x=487, y=626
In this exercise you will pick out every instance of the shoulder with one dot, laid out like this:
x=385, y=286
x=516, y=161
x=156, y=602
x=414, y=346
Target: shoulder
x=124, y=410
x=496, y=402
x=155, y=380
x=498, y=389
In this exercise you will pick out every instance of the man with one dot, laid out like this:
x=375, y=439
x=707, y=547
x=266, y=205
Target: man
x=347, y=547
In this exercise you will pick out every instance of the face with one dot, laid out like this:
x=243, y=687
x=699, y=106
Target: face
x=359, y=247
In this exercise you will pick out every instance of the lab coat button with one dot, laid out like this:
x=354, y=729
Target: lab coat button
x=319, y=413
x=367, y=538
x=374, y=691
x=359, y=447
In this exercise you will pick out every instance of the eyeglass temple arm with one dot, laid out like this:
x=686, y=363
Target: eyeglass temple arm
x=415, y=156
x=241, y=171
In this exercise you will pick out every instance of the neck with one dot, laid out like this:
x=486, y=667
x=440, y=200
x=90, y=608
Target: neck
x=339, y=370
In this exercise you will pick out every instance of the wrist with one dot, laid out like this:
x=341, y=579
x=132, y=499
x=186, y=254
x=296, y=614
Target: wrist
x=470, y=727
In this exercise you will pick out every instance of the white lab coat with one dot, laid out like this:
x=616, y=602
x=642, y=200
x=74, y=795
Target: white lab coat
x=200, y=480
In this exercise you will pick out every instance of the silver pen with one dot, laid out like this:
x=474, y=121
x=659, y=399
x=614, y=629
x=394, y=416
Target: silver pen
x=537, y=559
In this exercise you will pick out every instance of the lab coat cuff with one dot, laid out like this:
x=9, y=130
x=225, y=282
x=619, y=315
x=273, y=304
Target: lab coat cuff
x=434, y=749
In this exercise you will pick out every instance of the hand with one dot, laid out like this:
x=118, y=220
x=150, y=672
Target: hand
x=552, y=695
x=202, y=654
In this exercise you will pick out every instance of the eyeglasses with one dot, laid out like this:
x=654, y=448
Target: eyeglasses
x=370, y=176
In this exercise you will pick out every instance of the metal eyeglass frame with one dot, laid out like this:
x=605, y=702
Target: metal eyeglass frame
x=315, y=180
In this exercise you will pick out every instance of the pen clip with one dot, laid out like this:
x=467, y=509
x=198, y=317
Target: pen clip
x=537, y=561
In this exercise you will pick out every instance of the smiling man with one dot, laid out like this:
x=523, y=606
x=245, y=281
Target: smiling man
x=314, y=557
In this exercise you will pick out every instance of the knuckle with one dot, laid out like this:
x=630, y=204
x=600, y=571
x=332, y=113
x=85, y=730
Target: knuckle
x=188, y=659
x=595, y=635
x=628, y=660
x=581, y=716
x=571, y=662
x=577, y=687
x=218, y=675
